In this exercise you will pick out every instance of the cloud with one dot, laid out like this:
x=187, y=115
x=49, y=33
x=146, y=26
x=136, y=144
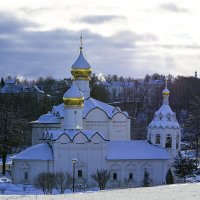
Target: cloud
x=32, y=54
x=99, y=19
x=10, y=24
x=43, y=53
x=172, y=8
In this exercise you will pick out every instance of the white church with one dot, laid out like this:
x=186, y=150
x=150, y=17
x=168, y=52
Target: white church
x=97, y=136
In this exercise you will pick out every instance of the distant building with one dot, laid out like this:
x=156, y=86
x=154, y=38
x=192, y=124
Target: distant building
x=11, y=86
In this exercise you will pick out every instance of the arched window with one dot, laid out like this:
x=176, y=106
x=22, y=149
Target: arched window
x=157, y=139
x=177, y=141
x=168, y=141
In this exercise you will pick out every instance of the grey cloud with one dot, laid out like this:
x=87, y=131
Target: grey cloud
x=172, y=8
x=10, y=24
x=99, y=19
x=51, y=53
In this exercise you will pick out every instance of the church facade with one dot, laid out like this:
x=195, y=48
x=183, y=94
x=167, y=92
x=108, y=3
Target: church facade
x=97, y=135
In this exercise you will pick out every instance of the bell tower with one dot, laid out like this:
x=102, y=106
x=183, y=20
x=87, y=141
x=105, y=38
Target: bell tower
x=164, y=130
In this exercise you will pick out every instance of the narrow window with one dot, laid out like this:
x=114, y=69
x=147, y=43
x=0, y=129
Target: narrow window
x=114, y=176
x=26, y=175
x=130, y=176
x=157, y=139
x=168, y=141
x=80, y=173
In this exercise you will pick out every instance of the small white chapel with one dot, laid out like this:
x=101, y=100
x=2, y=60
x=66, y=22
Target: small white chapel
x=97, y=136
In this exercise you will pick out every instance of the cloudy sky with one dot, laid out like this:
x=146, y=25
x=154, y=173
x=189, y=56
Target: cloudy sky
x=124, y=37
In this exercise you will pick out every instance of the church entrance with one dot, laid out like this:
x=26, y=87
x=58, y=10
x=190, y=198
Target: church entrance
x=169, y=177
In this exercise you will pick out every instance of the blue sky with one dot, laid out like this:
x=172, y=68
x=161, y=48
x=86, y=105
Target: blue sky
x=129, y=38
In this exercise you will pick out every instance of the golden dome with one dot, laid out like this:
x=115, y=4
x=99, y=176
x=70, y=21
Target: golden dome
x=73, y=97
x=165, y=92
x=81, y=69
x=73, y=102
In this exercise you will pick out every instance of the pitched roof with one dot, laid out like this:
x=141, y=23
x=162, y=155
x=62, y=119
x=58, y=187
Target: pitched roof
x=134, y=150
x=37, y=152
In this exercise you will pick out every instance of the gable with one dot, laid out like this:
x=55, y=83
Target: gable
x=80, y=138
x=97, y=114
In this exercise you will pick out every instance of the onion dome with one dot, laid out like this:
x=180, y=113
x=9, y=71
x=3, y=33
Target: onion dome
x=166, y=92
x=73, y=97
x=81, y=69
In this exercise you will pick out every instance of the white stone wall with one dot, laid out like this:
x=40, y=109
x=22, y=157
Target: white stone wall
x=31, y=167
x=157, y=170
x=117, y=128
x=90, y=155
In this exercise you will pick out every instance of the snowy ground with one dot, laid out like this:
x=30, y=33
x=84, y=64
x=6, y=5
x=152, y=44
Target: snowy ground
x=187, y=191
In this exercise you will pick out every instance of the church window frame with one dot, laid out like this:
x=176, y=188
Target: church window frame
x=80, y=173
x=130, y=176
x=168, y=141
x=26, y=175
x=114, y=176
x=157, y=139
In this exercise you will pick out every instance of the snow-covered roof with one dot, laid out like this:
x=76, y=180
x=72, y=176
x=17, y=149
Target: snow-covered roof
x=48, y=118
x=164, y=118
x=89, y=104
x=134, y=150
x=55, y=134
x=38, y=89
x=73, y=92
x=12, y=87
x=81, y=62
x=37, y=152
x=10, y=81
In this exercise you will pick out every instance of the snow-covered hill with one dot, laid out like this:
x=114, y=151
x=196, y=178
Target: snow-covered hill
x=172, y=192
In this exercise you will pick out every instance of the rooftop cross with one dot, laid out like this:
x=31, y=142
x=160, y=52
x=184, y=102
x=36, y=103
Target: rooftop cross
x=81, y=42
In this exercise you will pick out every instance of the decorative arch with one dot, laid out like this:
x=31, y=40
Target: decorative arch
x=25, y=171
x=119, y=113
x=97, y=108
x=64, y=137
x=96, y=136
x=79, y=134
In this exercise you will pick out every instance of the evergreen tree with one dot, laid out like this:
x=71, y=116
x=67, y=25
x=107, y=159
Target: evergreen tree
x=146, y=180
x=184, y=166
x=2, y=82
x=193, y=121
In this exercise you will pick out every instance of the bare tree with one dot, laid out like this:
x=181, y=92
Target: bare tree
x=46, y=182
x=101, y=177
x=62, y=181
